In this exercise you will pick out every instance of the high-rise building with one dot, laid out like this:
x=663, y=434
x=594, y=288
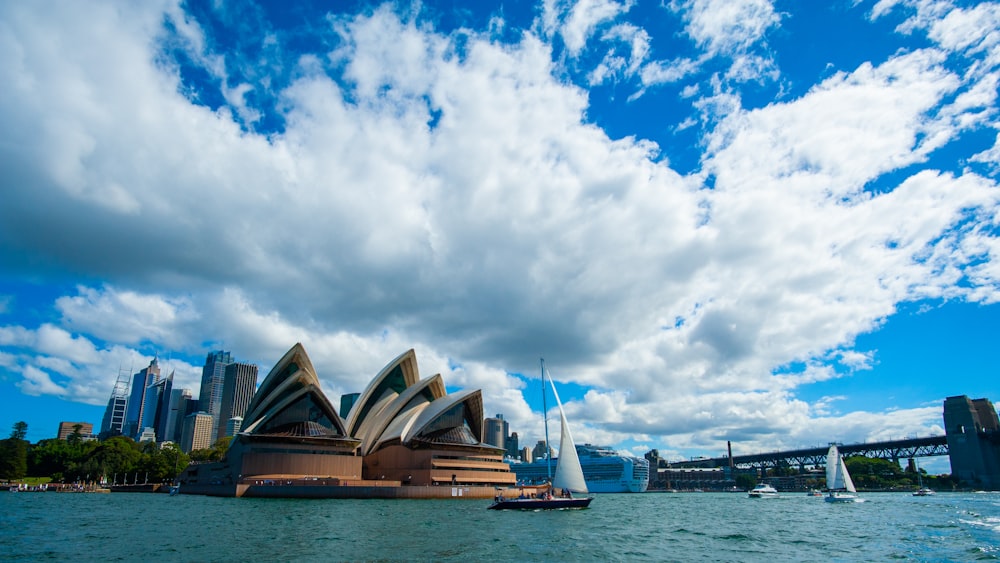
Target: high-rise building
x=213, y=377
x=137, y=400
x=197, y=432
x=526, y=456
x=347, y=401
x=513, y=449
x=175, y=412
x=113, y=423
x=495, y=431
x=540, y=451
x=185, y=406
x=239, y=385
x=66, y=429
x=156, y=407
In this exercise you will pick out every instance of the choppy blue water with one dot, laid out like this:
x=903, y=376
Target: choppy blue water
x=638, y=527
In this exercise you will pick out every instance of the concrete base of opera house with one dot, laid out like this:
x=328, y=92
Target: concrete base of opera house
x=298, y=489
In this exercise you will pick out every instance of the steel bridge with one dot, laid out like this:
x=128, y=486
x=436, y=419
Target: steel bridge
x=892, y=450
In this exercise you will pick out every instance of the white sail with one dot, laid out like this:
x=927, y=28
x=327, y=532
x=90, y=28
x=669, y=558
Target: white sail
x=569, y=474
x=833, y=479
x=837, y=477
x=848, y=482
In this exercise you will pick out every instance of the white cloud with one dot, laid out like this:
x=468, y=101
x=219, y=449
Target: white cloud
x=576, y=21
x=725, y=26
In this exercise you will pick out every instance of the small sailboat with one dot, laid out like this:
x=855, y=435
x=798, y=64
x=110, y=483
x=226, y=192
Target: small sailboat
x=568, y=476
x=921, y=491
x=839, y=486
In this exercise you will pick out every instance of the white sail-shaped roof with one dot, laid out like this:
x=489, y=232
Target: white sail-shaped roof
x=473, y=401
x=394, y=378
x=424, y=392
x=291, y=393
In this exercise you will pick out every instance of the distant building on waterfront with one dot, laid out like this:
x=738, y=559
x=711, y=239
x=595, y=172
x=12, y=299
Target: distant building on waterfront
x=347, y=401
x=197, y=432
x=156, y=409
x=527, y=454
x=973, y=434
x=213, y=378
x=176, y=411
x=233, y=426
x=135, y=412
x=239, y=385
x=512, y=448
x=496, y=431
x=540, y=451
x=113, y=423
x=68, y=428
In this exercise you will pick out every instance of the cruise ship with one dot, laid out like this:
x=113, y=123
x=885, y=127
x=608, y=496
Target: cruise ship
x=605, y=470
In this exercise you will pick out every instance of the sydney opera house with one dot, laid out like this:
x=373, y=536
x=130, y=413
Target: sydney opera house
x=403, y=437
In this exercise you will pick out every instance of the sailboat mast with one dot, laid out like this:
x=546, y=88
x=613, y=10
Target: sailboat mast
x=545, y=417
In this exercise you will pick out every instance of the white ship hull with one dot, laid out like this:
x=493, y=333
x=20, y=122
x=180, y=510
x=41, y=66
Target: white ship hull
x=604, y=470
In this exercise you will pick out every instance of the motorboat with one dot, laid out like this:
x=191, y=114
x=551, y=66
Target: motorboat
x=763, y=490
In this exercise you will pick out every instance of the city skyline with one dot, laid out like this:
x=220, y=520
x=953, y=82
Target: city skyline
x=716, y=221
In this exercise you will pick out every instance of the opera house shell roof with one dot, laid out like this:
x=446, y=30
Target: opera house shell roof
x=401, y=428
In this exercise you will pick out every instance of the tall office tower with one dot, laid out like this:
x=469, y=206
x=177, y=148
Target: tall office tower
x=154, y=413
x=185, y=406
x=175, y=408
x=113, y=423
x=137, y=401
x=496, y=431
x=197, y=432
x=66, y=429
x=347, y=401
x=513, y=449
x=526, y=454
x=973, y=434
x=239, y=385
x=540, y=451
x=213, y=377
x=161, y=420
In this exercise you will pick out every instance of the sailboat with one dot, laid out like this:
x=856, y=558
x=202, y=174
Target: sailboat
x=568, y=476
x=921, y=491
x=839, y=486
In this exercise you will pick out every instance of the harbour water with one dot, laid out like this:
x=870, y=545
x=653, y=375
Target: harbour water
x=617, y=527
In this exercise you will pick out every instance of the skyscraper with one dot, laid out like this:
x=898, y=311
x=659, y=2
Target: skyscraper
x=137, y=400
x=513, y=448
x=175, y=411
x=197, y=432
x=213, y=377
x=240, y=383
x=156, y=407
x=113, y=423
x=496, y=431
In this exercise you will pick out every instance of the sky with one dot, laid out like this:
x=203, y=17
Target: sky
x=766, y=222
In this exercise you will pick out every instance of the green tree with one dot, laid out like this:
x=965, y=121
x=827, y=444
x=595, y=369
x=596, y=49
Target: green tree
x=746, y=481
x=19, y=431
x=163, y=463
x=13, y=459
x=118, y=455
x=14, y=453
